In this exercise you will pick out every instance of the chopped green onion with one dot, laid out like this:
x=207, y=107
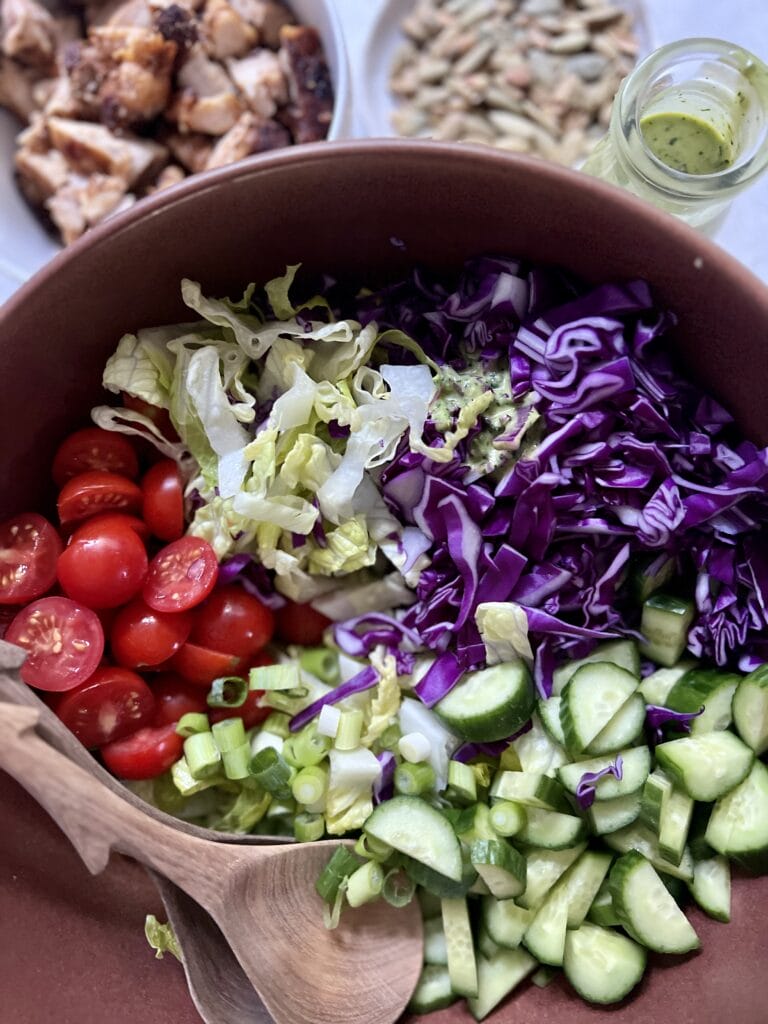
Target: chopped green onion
x=310, y=785
x=309, y=747
x=162, y=938
x=272, y=773
x=340, y=866
x=328, y=720
x=389, y=739
x=184, y=780
x=262, y=738
x=483, y=774
x=229, y=734
x=237, y=762
x=332, y=911
x=462, y=782
x=165, y=793
x=191, y=723
x=289, y=752
x=288, y=701
x=282, y=809
x=202, y=755
x=275, y=677
x=307, y=828
x=372, y=848
x=398, y=888
x=322, y=663
x=414, y=779
x=365, y=884
x=250, y=806
x=414, y=747
x=350, y=730
x=507, y=818
x=228, y=692
x=277, y=723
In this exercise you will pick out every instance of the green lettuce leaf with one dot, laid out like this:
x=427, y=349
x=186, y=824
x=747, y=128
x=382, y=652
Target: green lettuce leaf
x=161, y=938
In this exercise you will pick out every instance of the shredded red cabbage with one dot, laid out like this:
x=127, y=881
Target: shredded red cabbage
x=384, y=786
x=363, y=680
x=657, y=718
x=587, y=784
x=469, y=751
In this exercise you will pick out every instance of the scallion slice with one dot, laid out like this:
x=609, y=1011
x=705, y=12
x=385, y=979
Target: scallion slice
x=272, y=773
x=229, y=734
x=202, y=755
x=191, y=723
x=339, y=867
x=414, y=779
x=365, y=884
x=307, y=828
x=398, y=889
x=322, y=663
x=228, y=692
x=310, y=785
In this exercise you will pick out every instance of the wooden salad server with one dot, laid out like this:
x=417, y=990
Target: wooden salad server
x=262, y=897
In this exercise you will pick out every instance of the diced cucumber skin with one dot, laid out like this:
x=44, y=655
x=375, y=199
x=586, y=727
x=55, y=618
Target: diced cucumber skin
x=549, y=713
x=601, y=912
x=531, y=789
x=674, y=825
x=505, y=921
x=728, y=832
x=750, y=709
x=636, y=764
x=583, y=882
x=500, y=865
x=437, y=885
x=536, y=751
x=606, y=816
x=638, y=837
x=711, y=887
x=691, y=763
x=497, y=977
x=590, y=700
x=435, y=951
x=545, y=936
x=462, y=965
x=544, y=976
x=664, y=623
x=707, y=688
x=433, y=990
x=656, y=687
x=489, y=704
x=624, y=729
x=655, y=793
x=643, y=585
x=485, y=944
x=552, y=830
x=544, y=867
x=609, y=976
x=623, y=653
x=660, y=925
x=405, y=822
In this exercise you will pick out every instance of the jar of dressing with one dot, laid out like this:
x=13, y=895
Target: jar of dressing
x=689, y=130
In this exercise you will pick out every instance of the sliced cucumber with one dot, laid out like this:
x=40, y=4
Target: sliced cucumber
x=623, y=653
x=532, y=789
x=462, y=966
x=602, y=965
x=709, y=689
x=635, y=766
x=429, y=903
x=674, y=825
x=543, y=868
x=590, y=700
x=485, y=945
x=711, y=887
x=638, y=837
x=433, y=991
x=646, y=908
x=697, y=843
x=738, y=825
x=656, y=792
x=656, y=687
x=750, y=709
x=649, y=573
x=706, y=766
x=413, y=827
x=664, y=624
x=490, y=704
x=606, y=816
x=500, y=866
x=583, y=882
x=497, y=977
x=536, y=751
x=435, y=948
x=601, y=912
x=549, y=713
x=552, y=830
x=505, y=921
x=438, y=885
x=624, y=729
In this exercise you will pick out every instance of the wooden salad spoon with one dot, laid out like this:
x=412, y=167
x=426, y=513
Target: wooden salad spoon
x=261, y=897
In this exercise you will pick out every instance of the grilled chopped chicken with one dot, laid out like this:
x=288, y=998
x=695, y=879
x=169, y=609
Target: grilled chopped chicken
x=92, y=148
x=17, y=88
x=83, y=202
x=192, y=151
x=121, y=75
x=27, y=33
x=207, y=102
x=178, y=24
x=309, y=83
x=121, y=13
x=261, y=79
x=267, y=17
x=225, y=32
x=41, y=174
x=53, y=96
x=250, y=135
x=170, y=175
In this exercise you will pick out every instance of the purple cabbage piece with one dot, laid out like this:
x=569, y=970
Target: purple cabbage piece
x=657, y=718
x=363, y=680
x=384, y=786
x=469, y=751
x=357, y=637
x=439, y=679
x=587, y=784
x=252, y=577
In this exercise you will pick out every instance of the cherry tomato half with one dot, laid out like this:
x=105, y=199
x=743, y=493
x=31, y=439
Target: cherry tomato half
x=29, y=548
x=181, y=575
x=141, y=636
x=94, y=448
x=65, y=643
x=108, y=520
x=144, y=754
x=201, y=665
x=91, y=493
x=174, y=697
x=110, y=705
x=232, y=620
x=301, y=624
x=104, y=564
x=163, y=508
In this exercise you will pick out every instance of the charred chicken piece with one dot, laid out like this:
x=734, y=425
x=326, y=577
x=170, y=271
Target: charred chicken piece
x=28, y=33
x=310, y=110
x=261, y=80
x=84, y=202
x=192, y=150
x=250, y=135
x=17, y=88
x=225, y=33
x=94, y=149
x=267, y=16
x=207, y=101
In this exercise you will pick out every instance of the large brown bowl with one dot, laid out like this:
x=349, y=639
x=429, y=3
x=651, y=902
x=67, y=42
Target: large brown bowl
x=71, y=948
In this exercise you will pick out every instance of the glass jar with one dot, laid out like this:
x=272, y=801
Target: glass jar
x=689, y=130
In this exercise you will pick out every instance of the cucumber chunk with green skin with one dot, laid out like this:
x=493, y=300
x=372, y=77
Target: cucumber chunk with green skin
x=636, y=764
x=536, y=751
x=638, y=837
x=711, y=887
x=706, y=766
x=674, y=825
x=549, y=713
x=590, y=700
x=602, y=965
x=435, y=949
x=505, y=921
x=601, y=912
x=656, y=687
x=708, y=689
x=485, y=945
x=497, y=977
x=438, y=885
x=501, y=867
x=623, y=653
x=490, y=704
x=664, y=623
x=646, y=908
x=552, y=830
x=543, y=868
x=750, y=709
x=738, y=824
x=583, y=882
x=624, y=729
x=606, y=816
x=532, y=789
x=462, y=965
x=433, y=990
x=655, y=793
x=697, y=843
x=413, y=827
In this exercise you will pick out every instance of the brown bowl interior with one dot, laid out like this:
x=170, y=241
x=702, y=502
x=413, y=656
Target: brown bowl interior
x=340, y=208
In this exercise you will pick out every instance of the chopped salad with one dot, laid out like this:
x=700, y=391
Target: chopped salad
x=463, y=568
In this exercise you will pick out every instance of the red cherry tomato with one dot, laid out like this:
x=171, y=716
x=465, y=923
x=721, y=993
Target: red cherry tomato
x=174, y=697
x=94, y=492
x=164, y=500
x=110, y=705
x=159, y=417
x=181, y=575
x=141, y=636
x=250, y=712
x=232, y=620
x=144, y=754
x=301, y=624
x=29, y=548
x=200, y=665
x=65, y=643
x=104, y=565
x=109, y=520
x=94, y=448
